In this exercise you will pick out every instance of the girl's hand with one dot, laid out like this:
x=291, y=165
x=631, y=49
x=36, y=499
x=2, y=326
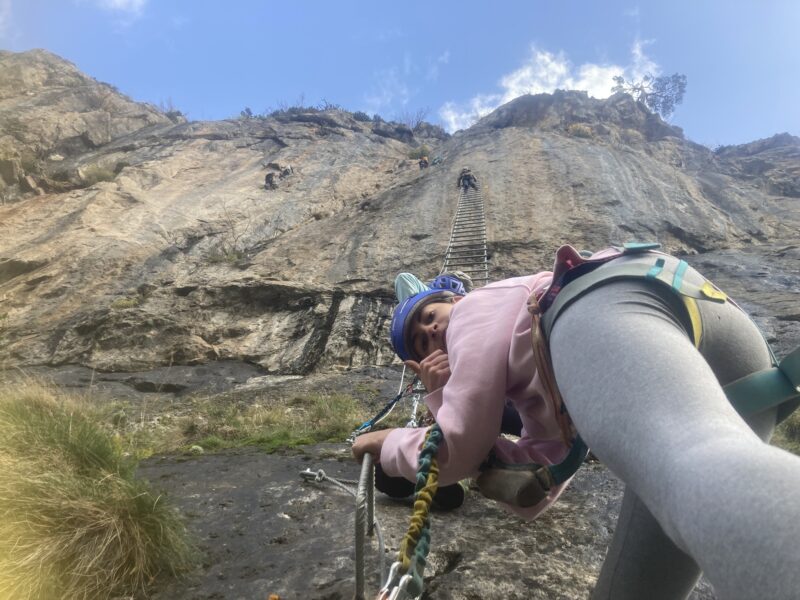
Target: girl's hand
x=371, y=442
x=433, y=371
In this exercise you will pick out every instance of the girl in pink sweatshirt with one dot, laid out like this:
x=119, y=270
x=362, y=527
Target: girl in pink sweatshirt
x=703, y=490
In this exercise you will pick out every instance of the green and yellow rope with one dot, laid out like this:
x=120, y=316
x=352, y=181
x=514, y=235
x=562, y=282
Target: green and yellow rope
x=416, y=541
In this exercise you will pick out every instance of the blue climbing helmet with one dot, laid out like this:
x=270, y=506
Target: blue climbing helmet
x=403, y=316
x=449, y=282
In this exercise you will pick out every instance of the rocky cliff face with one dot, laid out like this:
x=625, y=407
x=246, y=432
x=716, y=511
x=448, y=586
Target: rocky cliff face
x=132, y=240
x=146, y=252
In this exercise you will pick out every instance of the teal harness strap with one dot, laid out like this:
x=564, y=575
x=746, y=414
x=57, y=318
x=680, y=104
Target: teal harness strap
x=764, y=389
x=571, y=463
x=677, y=278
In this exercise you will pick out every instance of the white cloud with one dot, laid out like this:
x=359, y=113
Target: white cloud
x=457, y=117
x=547, y=72
x=642, y=65
x=433, y=65
x=131, y=7
x=390, y=90
x=5, y=18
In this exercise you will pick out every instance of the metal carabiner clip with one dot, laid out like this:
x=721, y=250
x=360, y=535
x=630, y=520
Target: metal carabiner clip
x=309, y=475
x=390, y=580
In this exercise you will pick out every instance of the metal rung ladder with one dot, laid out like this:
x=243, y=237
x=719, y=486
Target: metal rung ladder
x=466, y=250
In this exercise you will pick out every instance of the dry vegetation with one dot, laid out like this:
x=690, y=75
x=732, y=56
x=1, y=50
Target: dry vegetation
x=217, y=423
x=74, y=520
x=96, y=173
x=580, y=130
x=787, y=436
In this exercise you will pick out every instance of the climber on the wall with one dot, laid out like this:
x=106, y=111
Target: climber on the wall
x=466, y=180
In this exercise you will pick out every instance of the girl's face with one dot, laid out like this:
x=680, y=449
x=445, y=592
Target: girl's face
x=429, y=326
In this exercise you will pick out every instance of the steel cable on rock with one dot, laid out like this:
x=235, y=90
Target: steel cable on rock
x=365, y=519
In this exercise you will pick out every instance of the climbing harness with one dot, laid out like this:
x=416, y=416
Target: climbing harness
x=779, y=385
x=527, y=484
x=406, y=574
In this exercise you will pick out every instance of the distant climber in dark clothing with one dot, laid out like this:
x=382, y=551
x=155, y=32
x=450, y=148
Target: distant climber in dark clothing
x=467, y=180
x=423, y=162
x=269, y=182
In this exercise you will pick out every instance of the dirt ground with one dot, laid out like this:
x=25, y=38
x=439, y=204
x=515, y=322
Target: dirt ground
x=249, y=512
x=262, y=530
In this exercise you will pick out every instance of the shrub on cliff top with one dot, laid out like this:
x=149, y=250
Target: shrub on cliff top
x=580, y=130
x=418, y=153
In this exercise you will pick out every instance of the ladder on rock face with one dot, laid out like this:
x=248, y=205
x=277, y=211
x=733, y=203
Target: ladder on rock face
x=467, y=250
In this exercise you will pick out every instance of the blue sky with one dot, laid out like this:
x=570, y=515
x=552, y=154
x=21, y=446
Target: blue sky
x=457, y=60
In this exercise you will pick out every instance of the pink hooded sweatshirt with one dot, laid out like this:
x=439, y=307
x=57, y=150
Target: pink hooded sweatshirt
x=491, y=359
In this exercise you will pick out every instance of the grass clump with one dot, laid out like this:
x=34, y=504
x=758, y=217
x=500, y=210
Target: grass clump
x=418, y=153
x=74, y=520
x=580, y=130
x=95, y=174
x=318, y=418
x=129, y=302
x=787, y=435
x=361, y=116
x=631, y=136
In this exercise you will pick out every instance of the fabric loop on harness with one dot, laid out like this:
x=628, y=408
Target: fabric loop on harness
x=541, y=358
x=768, y=388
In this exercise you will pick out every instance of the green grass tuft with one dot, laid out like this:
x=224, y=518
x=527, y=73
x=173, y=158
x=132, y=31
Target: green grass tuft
x=123, y=303
x=215, y=424
x=418, y=153
x=95, y=174
x=74, y=521
x=787, y=435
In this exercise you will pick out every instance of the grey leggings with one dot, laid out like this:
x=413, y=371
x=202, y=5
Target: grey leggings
x=703, y=491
